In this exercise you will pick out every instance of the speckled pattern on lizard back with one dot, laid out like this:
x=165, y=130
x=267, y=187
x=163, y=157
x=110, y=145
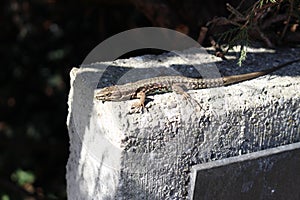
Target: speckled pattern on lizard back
x=140, y=89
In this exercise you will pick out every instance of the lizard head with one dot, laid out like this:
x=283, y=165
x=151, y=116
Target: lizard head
x=108, y=94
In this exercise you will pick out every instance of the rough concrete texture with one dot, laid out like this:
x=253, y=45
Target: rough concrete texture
x=268, y=174
x=117, y=154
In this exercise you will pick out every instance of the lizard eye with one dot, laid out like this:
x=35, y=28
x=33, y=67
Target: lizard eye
x=109, y=94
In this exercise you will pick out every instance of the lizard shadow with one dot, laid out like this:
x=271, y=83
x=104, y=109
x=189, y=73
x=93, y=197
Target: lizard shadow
x=116, y=74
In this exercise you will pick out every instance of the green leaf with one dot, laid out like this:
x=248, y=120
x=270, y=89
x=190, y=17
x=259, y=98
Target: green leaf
x=243, y=55
x=22, y=177
x=5, y=197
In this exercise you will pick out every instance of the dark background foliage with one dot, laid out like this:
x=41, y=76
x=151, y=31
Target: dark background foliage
x=40, y=41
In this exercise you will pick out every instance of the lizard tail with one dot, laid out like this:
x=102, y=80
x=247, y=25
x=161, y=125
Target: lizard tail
x=243, y=77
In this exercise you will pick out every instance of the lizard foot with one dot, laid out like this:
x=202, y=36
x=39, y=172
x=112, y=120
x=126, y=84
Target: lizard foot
x=140, y=105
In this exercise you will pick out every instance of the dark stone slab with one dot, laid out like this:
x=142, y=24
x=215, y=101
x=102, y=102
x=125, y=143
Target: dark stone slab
x=268, y=174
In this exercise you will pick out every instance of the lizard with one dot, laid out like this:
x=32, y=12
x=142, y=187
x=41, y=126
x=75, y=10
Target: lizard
x=164, y=84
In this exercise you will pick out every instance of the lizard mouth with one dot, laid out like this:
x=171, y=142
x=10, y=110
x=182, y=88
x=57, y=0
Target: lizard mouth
x=107, y=94
x=101, y=96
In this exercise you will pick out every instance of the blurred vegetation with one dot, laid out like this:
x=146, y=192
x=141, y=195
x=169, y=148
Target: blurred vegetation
x=272, y=22
x=40, y=41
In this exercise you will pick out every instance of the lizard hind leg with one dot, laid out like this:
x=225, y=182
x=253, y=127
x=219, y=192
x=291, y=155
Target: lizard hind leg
x=180, y=90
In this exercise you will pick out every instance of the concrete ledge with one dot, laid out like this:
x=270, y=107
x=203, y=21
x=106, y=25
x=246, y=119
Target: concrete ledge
x=118, y=155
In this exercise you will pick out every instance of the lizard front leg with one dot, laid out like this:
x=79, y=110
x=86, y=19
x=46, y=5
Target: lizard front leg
x=141, y=103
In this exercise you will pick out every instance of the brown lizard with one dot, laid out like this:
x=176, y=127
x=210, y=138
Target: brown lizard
x=163, y=84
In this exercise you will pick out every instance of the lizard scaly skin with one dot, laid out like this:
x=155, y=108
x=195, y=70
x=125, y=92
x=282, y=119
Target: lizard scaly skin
x=163, y=84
